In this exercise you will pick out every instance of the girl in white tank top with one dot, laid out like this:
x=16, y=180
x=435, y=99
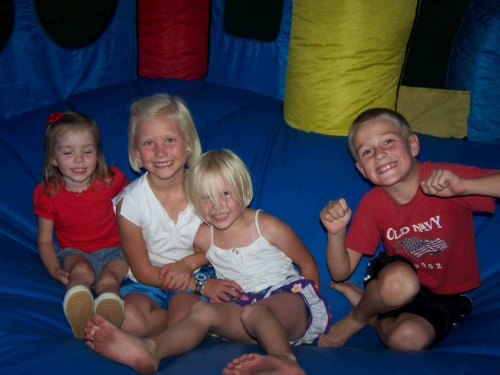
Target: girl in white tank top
x=274, y=306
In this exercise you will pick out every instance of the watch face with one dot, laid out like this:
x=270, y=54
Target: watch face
x=201, y=277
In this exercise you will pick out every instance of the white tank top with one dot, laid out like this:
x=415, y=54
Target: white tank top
x=254, y=267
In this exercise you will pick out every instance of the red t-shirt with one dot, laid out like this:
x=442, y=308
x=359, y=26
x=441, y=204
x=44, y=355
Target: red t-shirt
x=435, y=234
x=85, y=221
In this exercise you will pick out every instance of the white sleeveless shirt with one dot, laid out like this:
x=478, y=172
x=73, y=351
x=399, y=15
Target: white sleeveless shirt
x=254, y=267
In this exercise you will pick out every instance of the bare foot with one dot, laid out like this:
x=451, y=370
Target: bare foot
x=340, y=332
x=249, y=364
x=351, y=291
x=110, y=342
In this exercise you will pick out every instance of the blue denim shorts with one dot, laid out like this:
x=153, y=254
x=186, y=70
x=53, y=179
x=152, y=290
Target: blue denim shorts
x=161, y=297
x=98, y=259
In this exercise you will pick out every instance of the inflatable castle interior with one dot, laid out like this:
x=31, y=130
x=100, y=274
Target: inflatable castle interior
x=278, y=82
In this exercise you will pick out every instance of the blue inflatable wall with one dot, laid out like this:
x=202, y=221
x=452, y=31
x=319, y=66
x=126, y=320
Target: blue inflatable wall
x=247, y=63
x=484, y=117
x=37, y=71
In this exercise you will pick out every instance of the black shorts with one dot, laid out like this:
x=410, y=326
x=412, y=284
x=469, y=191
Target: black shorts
x=443, y=311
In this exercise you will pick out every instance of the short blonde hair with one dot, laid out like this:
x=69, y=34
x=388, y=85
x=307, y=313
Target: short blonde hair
x=172, y=106
x=395, y=117
x=207, y=175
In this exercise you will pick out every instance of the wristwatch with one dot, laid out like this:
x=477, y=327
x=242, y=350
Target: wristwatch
x=201, y=279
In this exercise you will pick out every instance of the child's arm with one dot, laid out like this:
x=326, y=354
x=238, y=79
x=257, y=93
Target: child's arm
x=216, y=290
x=136, y=252
x=47, y=251
x=340, y=260
x=443, y=183
x=281, y=235
x=176, y=276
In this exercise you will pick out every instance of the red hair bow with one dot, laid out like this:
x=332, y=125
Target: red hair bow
x=53, y=117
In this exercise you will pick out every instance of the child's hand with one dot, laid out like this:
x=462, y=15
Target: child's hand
x=336, y=215
x=60, y=275
x=175, y=276
x=443, y=183
x=217, y=290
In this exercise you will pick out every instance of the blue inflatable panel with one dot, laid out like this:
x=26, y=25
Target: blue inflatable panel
x=484, y=116
x=468, y=41
x=35, y=71
x=294, y=173
x=245, y=63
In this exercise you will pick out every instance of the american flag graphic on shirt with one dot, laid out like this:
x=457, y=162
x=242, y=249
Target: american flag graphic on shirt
x=417, y=247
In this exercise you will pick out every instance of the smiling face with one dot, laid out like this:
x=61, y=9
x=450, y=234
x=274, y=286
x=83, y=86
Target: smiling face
x=75, y=155
x=384, y=155
x=222, y=207
x=162, y=147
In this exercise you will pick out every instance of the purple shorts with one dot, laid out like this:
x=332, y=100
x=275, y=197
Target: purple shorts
x=319, y=313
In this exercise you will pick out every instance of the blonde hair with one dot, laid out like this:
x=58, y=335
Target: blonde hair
x=68, y=122
x=206, y=177
x=396, y=118
x=172, y=106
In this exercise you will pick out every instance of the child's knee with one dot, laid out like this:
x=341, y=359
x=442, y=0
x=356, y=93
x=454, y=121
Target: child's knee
x=179, y=307
x=82, y=269
x=206, y=310
x=248, y=312
x=411, y=335
x=116, y=269
x=136, y=327
x=107, y=282
x=399, y=283
x=140, y=320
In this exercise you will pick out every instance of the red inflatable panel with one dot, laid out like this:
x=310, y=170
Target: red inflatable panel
x=173, y=38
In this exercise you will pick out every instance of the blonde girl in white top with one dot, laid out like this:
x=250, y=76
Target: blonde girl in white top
x=156, y=223
x=278, y=309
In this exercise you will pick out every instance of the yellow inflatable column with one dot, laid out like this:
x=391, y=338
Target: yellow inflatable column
x=345, y=56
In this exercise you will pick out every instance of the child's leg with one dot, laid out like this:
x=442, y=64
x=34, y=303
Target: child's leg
x=396, y=285
x=406, y=332
x=78, y=304
x=261, y=364
x=108, y=304
x=143, y=316
x=274, y=322
x=424, y=321
x=80, y=271
x=117, y=345
x=351, y=291
x=179, y=306
x=144, y=354
x=111, y=277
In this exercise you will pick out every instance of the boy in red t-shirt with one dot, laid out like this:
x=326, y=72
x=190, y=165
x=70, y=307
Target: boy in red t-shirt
x=423, y=214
